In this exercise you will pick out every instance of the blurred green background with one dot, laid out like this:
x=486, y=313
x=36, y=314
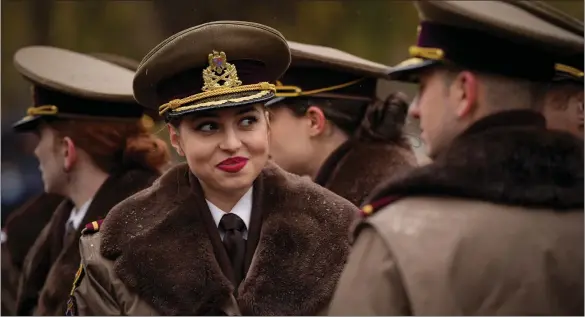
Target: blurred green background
x=374, y=29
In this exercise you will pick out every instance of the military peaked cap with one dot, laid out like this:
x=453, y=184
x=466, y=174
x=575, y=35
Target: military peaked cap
x=132, y=65
x=514, y=39
x=213, y=65
x=68, y=84
x=320, y=71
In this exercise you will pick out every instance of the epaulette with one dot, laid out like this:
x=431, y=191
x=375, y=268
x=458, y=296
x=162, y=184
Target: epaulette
x=92, y=227
x=376, y=205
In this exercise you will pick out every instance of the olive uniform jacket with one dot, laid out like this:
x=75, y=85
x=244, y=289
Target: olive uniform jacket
x=356, y=167
x=494, y=226
x=160, y=252
x=22, y=228
x=52, y=261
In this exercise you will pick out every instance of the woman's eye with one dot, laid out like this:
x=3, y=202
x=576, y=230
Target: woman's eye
x=207, y=127
x=248, y=121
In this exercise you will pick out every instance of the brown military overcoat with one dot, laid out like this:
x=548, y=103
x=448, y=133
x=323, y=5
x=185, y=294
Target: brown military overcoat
x=22, y=228
x=356, y=167
x=160, y=252
x=494, y=226
x=52, y=261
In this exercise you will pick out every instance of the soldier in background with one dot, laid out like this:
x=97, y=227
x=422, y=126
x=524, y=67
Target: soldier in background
x=93, y=149
x=328, y=124
x=563, y=108
x=24, y=225
x=564, y=101
x=494, y=225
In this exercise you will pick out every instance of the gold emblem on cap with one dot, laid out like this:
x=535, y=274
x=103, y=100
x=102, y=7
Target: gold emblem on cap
x=220, y=70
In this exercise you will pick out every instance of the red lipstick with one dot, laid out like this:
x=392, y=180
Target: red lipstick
x=233, y=164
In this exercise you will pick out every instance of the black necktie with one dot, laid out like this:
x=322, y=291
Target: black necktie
x=234, y=243
x=69, y=231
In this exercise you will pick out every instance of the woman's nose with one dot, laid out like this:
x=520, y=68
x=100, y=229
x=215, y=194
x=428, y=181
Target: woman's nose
x=231, y=141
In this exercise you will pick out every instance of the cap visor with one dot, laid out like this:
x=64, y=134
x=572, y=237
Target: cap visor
x=409, y=69
x=27, y=124
x=274, y=101
x=562, y=76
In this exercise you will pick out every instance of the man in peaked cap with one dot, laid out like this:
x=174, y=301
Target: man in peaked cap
x=90, y=137
x=346, y=139
x=494, y=225
x=563, y=107
x=564, y=101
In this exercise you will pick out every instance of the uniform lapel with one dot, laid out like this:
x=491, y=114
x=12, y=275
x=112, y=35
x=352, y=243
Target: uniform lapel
x=205, y=214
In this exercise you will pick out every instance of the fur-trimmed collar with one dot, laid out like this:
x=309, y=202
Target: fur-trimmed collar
x=355, y=168
x=163, y=250
x=508, y=158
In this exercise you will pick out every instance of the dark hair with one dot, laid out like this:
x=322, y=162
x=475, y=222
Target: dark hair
x=116, y=145
x=378, y=121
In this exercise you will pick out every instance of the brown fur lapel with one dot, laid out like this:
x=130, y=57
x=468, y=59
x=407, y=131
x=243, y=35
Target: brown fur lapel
x=504, y=163
x=355, y=168
x=162, y=251
x=53, y=297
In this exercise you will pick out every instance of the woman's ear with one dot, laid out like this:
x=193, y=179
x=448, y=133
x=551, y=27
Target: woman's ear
x=175, y=139
x=317, y=120
x=69, y=153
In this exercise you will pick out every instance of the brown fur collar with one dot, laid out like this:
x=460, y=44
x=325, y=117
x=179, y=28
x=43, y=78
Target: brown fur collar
x=508, y=158
x=355, y=168
x=163, y=252
x=53, y=296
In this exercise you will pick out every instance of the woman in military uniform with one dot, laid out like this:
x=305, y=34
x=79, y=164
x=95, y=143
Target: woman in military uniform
x=344, y=138
x=227, y=232
x=93, y=149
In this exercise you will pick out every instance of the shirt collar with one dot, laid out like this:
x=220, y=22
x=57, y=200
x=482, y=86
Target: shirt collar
x=77, y=215
x=242, y=209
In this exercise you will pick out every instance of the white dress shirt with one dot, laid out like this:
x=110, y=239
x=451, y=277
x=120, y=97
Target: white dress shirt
x=242, y=209
x=77, y=216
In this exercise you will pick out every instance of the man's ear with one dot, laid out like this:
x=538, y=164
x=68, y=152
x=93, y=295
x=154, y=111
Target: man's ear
x=316, y=121
x=69, y=153
x=464, y=90
x=175, y=139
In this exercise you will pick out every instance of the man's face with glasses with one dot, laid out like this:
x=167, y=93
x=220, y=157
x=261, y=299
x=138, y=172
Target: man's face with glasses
x=564, y=107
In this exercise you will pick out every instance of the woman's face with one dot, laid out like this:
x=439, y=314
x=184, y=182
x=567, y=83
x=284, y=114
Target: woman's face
x=290, y=140
x=51, y=160
x=225, y=149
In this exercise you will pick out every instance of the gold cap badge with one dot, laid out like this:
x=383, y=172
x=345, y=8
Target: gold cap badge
x=220, y=70
x=219, y=78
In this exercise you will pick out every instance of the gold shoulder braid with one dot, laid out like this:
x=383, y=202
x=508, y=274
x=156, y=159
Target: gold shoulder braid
x=219, y=70
x=71, y=303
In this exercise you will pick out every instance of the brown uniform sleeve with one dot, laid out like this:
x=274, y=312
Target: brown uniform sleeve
x=100, y=292
x=370, y=283
x=92, y=296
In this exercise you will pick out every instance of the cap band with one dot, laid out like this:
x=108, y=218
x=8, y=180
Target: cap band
x=48, y=102
x=296, y=91
x=481, y=51
x=569, y=70
x=218, y=71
